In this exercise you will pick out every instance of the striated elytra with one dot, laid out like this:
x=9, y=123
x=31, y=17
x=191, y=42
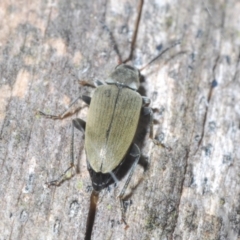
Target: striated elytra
x=111, y=125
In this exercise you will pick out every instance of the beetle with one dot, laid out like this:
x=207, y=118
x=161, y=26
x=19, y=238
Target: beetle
x=113, y=117
x=112, y=121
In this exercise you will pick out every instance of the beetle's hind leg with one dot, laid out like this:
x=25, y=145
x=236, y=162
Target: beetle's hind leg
x=136, y=153
x=67, y=112
x=80, y=125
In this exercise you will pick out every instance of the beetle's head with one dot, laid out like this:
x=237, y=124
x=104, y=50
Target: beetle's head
x=125, y=75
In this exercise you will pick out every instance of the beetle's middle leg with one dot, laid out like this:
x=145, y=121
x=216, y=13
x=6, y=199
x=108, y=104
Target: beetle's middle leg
x=67, y=112
x=136, y=153
x=149, y=111
x=80, y=125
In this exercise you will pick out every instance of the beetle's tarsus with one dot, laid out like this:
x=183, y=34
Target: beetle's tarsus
x=53, y=183
x=48, y=115
x=158, y=143
x=123, y=210
x=79, y=124
x=123, y=219
x=63, y=177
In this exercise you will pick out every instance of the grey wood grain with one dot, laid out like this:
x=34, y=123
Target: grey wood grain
x=190, y=192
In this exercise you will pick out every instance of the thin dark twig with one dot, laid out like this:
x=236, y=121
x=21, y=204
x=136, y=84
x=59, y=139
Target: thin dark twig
x=140, y=7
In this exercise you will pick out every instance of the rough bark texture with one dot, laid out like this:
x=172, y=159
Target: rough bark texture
x=190, y=192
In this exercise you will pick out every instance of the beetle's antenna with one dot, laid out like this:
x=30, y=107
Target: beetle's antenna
x=112, y=39
x=140, y=7
x=160, y=54
x=115, y=46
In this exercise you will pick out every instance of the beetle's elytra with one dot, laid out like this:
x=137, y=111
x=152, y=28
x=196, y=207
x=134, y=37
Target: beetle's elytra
x=111, y=125
x=112, y=121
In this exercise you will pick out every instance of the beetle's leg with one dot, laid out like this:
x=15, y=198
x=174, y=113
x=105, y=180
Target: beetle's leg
x=67, y=112
x=146, y=101
x=86, y=99
x=135, y=152
x=79, y=124
x=149, y=111
x=89, y=84
x=114, y=177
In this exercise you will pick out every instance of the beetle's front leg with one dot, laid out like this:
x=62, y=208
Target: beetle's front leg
x=94, y=84
x=67, y=112
x=80, y=125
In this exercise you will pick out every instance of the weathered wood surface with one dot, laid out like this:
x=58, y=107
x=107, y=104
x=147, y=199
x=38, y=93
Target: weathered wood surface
x=191, y=192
